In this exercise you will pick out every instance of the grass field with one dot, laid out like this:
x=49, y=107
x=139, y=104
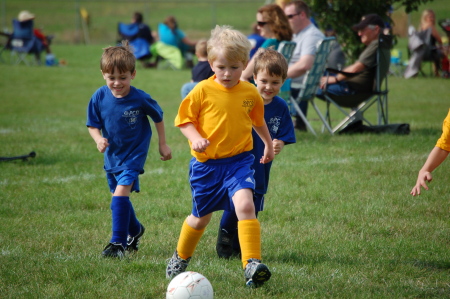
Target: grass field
x=339, y=220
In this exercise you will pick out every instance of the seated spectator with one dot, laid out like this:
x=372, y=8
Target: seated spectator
x=369, y=29
x=274, y=26
x=170, y=34
x=428, y=22
x=201, y=71
x=45, y=40
x=145, y=31
x=140, y=37
x=255, y=39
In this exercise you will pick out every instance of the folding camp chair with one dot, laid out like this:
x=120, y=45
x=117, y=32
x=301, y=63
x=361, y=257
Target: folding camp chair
x=311, y=81
x=24, y=42
x=286, y=48
x=360, y=102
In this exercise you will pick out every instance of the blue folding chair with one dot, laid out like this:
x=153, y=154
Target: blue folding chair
x=287, y=49
x=24, y=42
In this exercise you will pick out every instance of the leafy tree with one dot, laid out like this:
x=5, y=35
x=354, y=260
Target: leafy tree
x=343, y=14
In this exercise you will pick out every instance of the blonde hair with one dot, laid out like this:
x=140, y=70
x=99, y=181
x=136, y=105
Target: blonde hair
x=423, y=19
x=120, y=57
x=200, y=48
x=269, y=60
x=234, y=45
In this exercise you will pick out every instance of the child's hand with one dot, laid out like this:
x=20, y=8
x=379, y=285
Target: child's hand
x=268, y=155
x=277, y=146
x=102, y=144
x=422, y=180
x=165, y=152
x=200, y=145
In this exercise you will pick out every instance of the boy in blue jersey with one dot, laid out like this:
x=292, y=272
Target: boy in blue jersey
x=117, y=121
x=270, y=72
x=217, y=117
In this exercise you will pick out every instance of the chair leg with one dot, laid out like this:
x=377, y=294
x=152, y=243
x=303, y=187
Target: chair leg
x=302, y=116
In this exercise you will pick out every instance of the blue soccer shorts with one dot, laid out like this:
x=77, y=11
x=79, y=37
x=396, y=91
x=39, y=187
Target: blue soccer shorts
x=214, y=182
x=124, y=178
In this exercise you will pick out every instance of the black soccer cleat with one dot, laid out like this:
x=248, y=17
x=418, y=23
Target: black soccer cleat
x=133, y=242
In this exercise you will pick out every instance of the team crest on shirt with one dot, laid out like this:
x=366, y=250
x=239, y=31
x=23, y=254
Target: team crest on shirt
x=248, y=104
x=131, y=117
x=273, y=124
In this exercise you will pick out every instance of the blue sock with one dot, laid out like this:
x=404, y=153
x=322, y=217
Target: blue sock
x=120, y=207
x=229, y=222
x=134, y=226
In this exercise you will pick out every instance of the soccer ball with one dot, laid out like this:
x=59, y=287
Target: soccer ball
x=189, y=285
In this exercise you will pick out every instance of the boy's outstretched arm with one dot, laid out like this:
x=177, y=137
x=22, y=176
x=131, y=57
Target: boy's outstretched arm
x=264, y=134
x=198, y=143
x=102, y=143
x=435, y=158
x=164, y=149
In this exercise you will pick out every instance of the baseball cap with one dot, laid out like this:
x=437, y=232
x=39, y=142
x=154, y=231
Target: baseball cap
x=371, y=19
x=25, y=15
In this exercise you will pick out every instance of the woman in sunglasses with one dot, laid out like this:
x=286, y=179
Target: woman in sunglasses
x=274, y=26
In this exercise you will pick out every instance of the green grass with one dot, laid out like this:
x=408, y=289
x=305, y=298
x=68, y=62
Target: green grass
x=339, y=220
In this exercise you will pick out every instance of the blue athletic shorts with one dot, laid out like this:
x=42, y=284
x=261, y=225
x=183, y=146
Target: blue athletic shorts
x=124, y=178
x=258, y=199
x=214, y=182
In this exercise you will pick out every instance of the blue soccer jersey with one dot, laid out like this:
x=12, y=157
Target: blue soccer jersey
x=279, y=123
x=124, y=122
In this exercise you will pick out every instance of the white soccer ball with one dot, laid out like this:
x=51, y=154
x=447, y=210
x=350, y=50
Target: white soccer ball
x=189, y=285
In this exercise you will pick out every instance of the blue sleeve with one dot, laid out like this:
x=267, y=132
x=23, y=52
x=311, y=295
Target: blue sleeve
x=152, y=109
x=286, y=130
x=93, y=112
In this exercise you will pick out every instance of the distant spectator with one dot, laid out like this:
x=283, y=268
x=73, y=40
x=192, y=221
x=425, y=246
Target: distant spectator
x=24, y=16
x=201, y=71
x=145, y=31
x=428, y=22
x=170, y=34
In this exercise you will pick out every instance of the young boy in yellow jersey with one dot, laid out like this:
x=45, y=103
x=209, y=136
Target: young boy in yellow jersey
x=217, y=118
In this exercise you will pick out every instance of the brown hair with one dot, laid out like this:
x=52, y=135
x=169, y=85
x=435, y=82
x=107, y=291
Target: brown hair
x=277, y=20
x=120, y=57
x=269, y=60
x=301, y=6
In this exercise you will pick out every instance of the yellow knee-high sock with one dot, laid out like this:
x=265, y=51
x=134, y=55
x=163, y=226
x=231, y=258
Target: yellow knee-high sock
x=249, y=232
x=188, y=240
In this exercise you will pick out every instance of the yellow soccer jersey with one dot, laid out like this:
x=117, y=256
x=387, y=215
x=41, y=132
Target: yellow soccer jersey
x=444, y=141
x=222, y=115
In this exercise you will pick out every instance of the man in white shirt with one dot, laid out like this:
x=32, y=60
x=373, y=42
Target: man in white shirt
x=307, y=37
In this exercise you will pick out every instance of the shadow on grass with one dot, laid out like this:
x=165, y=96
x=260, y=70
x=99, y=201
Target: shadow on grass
x=426, y=131
x=432, y=265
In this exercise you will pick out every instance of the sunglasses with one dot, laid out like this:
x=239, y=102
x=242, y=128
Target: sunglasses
x=293, y=15
x=261, y=24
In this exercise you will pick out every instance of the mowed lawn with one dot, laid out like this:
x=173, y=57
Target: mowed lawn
x=339, y=220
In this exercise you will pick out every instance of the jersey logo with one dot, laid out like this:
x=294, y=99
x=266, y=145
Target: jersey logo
x=274, y=124
x=249, y=180
x=131, y=117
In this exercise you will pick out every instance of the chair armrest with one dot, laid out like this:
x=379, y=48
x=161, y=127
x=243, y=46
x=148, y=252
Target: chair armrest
x=346, y=74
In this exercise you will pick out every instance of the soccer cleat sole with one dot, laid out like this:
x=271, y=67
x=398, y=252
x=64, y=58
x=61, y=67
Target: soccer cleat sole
x=261, y=275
